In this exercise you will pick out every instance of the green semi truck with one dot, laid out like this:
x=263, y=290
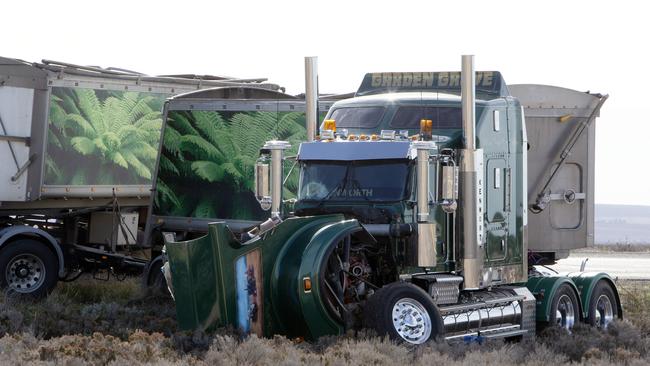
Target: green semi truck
x=426, y=207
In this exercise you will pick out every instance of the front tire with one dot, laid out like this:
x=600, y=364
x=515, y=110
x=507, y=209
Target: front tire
x=405, y=313
x=603, y=307
x=28, y=269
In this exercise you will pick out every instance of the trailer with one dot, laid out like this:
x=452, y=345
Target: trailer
x=79, y=146
x=423, y=210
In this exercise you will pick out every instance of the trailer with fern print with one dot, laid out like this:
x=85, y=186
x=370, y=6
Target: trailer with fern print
x=78, y=147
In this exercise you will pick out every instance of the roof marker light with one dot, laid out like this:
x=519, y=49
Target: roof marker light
x=387, y=134
x=327, y=135
x=329, y=124
x=426, y=129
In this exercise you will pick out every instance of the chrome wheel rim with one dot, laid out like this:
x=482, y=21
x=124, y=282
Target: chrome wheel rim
x=604, y=312
x=411, y=321
x=565, y=315
x=25, y=273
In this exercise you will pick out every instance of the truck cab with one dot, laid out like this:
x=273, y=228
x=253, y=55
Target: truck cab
x=372, y=129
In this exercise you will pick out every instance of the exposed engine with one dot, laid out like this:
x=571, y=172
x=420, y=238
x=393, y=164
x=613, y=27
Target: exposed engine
x=359, y=276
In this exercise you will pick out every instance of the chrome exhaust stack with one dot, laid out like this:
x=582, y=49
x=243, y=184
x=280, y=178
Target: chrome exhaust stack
x=311, y=96
x=277, y=158
x=269, y=175
x=471, y=177
x=426, y=246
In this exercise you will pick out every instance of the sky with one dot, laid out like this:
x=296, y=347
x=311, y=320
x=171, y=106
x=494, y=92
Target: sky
x=583, y=45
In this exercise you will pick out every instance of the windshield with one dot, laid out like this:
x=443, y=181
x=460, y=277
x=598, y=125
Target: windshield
x=441, y=117
x=357, y=117
x=353, y=181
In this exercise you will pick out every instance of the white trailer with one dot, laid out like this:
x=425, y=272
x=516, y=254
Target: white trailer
x=78, y=145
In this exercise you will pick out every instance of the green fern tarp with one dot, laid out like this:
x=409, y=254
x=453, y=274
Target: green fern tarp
x=208, y=157
x=102, y=137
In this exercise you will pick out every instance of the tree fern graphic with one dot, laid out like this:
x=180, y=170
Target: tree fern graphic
x=117, y=136
x=207, y=163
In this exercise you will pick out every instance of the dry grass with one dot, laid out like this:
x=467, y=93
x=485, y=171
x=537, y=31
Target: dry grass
x=88, y=306
x=98, y=323
x=635, y=297
x=616, y=248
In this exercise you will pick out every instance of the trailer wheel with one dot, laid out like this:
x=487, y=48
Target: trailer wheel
x=603, y=307
x=404, y=312
x=27, y=269
x=565, y=309
x=154, y=279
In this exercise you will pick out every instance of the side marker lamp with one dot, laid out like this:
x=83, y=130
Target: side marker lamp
x=306, y=284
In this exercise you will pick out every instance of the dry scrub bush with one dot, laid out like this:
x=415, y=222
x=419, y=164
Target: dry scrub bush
x=139, y=349
x=585, y=346
x=635, y=297
x=111, y=323
x=85, y=307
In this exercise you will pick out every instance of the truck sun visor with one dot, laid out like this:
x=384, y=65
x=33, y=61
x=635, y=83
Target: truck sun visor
x=488, y=83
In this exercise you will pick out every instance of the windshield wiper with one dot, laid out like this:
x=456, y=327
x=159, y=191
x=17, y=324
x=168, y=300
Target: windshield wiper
x=357, y=185
x=341, y=186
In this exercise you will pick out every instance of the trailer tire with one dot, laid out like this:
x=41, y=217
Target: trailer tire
x=154, y=279
x=565, y=308
x=603, y=307
x=404, y=312
x=28, y=269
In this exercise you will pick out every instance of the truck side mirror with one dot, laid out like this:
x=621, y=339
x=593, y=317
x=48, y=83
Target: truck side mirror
x=268, y=176
x=448, y=184
x=263, y=182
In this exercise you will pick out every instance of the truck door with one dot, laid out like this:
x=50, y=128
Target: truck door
x=497, y=186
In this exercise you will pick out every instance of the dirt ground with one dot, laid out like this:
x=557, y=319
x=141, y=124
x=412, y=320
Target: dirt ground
x=622, y=265
x=113, y=323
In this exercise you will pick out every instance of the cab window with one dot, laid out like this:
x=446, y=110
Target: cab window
x=408, y=117
x=357, y=117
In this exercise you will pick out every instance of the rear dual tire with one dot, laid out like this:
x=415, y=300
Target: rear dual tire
x=565, y=308
x=603, y=305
